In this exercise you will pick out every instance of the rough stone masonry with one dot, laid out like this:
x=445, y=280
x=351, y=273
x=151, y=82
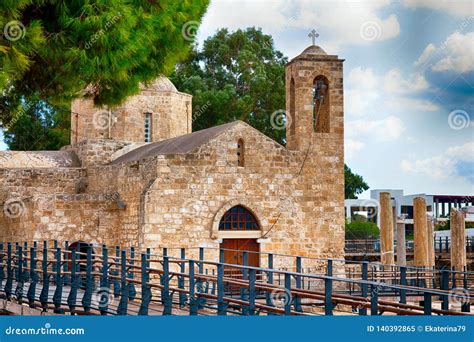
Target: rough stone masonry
x=135, y=175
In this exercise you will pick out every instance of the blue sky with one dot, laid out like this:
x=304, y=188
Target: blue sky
x=409, y=78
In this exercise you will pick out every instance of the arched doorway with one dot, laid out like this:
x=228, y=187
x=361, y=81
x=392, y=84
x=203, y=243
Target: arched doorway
x=237, y=225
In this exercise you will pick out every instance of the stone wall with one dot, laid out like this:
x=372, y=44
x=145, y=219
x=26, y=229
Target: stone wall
x=299, y=215
x=23, y=190
x=66, y=218
x=96, y=151
x=38, y=159
x=170, y=112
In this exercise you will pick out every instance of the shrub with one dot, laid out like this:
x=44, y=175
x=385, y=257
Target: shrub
x=361, y=230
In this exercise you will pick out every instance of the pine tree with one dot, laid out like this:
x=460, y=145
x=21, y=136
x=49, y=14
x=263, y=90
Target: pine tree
x=51, y=50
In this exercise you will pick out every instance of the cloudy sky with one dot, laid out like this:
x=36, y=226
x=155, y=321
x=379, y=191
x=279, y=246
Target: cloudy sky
x=409, y=78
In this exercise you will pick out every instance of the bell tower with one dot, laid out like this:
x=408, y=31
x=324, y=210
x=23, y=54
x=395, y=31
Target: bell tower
x=314, y=99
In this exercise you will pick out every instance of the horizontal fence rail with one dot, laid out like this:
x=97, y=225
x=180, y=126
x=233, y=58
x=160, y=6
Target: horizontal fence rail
x=99, y=280
x=442, y=244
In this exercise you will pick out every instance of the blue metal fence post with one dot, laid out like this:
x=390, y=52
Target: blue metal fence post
x=243, y=289
x=104, y=291
x=427, y=303
x=44, y=295
x=221, y=306
x=167, y=300
x=268, y=295
x=31, y=295
x=221, y=256
x=162, y=277
x=26, y=273
x=193, y=303
x=146, y=291
x=199, y=283
x=58, y=292
x=288, y=296
x=466, y=305
x=297, y=301
x=53, y=263
x=123, y=304
x=374, y=301
x=403, y=282
x=87, y=298
x=66, y=257
x=446, y=244
x=115, y=272
x=445, y=287
x=15, y=260
x=364, y=287
x=182, y=266
x=9, y=283
x=72, y=297
x=251, y=310
x=132, y=292
x=328, y=289
x=20, y=279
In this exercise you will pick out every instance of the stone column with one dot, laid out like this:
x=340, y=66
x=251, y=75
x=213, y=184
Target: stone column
x=431, y=249
x=401, y=244
x=386, y=229
x=458, y=240
x=421, y=252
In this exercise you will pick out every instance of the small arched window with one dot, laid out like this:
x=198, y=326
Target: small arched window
x=240, y=152
x=147, y=127
x=238, y=218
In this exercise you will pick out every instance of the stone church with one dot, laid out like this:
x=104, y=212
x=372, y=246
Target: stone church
x=136, y=175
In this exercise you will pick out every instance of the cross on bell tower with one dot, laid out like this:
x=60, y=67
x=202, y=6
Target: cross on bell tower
x=313, y=35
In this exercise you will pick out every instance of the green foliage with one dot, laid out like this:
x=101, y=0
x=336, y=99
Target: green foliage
x=54, y=49
x=39, y=127
x=361, y=230
x=354, y=184
x=238, y=75
x=446, y=225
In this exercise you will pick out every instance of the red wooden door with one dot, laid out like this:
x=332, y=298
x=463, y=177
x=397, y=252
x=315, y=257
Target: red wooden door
x=233, y=255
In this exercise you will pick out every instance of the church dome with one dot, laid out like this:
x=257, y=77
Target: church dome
x=313, y=50
x=162, y=83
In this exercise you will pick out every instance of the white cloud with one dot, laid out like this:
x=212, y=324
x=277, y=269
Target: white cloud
x=395, y=83
x=383, y=130
x=338, y=22
x=362, y=78
x=459, y=8
x=352, y=146
x=442, y=166
x=368, y=94
x=462, y=153
x=459, y=51
x=362, y=90
x=426, y=54
x=455, y=54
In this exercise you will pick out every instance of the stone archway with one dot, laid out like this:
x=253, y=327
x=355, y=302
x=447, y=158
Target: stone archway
x=262, y=222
